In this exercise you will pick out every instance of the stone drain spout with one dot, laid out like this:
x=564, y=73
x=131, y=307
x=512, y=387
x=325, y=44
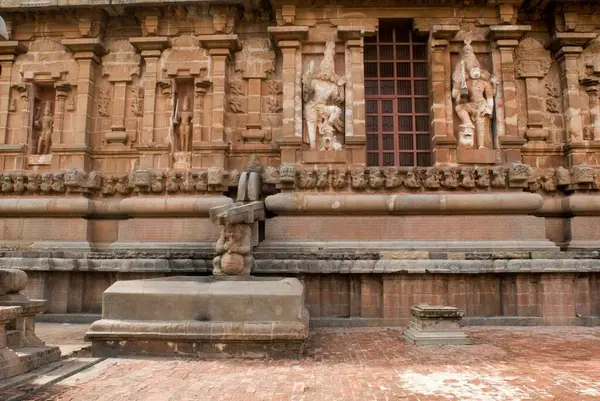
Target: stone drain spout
x=240, y=228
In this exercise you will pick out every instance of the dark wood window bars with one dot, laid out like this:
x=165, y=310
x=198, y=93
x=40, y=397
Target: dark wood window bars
x=397, y=97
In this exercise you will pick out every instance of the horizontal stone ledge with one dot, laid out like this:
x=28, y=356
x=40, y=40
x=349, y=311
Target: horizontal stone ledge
x=111, y=208
x=299, y=266
x=410, y=204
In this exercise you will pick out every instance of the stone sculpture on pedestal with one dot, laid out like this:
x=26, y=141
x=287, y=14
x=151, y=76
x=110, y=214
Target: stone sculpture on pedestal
x=45, y=124
x=324, y=94
x=473, y=91
x=185, y=127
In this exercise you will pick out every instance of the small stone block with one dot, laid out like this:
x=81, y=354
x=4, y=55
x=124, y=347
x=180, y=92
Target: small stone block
x=435, y=325
x=476, y=156
x=39, y=160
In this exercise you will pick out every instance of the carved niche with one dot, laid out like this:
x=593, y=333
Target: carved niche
x=323, y=92
x=45, y=77
x=184, y=82
x=473, y=91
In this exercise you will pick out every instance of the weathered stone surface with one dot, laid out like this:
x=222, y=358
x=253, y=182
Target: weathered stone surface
x=435, y=325
x=193, y=315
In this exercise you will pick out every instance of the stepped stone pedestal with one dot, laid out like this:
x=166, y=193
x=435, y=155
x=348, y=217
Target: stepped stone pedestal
x=20, y=349
x=435, y=325
x=205, y=317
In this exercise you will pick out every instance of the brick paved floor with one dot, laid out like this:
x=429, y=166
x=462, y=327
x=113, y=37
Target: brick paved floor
x=69, y=337
x=558, y=363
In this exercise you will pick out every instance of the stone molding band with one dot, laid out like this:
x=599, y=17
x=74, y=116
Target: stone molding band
x=373, y=204
x=116, y=208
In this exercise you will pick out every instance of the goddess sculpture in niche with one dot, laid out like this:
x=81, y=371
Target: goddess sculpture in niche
x=45, y=124
x=185, y=126
x=323, y=94
x=473, y=91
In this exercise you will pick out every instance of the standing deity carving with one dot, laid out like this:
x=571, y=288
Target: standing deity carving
x=45, y=125
x=323, y=93
x=473, y=90
x=184, y=120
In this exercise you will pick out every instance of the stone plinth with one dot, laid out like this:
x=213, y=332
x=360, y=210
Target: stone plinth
x=435, y=325
x=206, y=317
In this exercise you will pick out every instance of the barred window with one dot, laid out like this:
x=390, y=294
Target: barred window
x=397, y=97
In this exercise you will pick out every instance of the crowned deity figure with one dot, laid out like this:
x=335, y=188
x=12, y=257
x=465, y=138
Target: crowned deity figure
x=184, y=120
x=473, y=91
x=45, y=124
x=323, y=94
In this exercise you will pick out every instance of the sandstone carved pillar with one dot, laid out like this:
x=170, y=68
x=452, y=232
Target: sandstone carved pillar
x=355, y=129
x=150, y=49
x=219, y=48
x=200, y=88
x=120, y=65
x=532, y=63
x=86, y=51
x=591, y=87
x=62, y=91
x=442, y=126
x=506, y=38
x=289, y=41
x=8, y=52
x=568, y=47
x=255, y=62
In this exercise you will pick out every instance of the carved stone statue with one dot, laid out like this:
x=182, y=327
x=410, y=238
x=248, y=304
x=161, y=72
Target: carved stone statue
x=473, y=91
x=184, y=120
x=45, y=124
x=323, y=94
x=234, y=247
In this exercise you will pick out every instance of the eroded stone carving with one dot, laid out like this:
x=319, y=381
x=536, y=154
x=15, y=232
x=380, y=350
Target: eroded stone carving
x=531, y=59
x=473, y=90
x=234, y=246
x=256, y=59
x=103, y=101
x=324, y=95
x=184, y=126
x=45, y=125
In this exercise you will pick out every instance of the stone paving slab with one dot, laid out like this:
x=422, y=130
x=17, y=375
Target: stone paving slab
x=540, y=363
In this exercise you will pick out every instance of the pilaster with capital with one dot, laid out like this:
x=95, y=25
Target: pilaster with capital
x=213, y=152
x=87, y=53
x=355, y=127
x=8, y=52
x=150, y=49
x=506, y=39
x=442, y=124
x=289, y=40
x=568, y=47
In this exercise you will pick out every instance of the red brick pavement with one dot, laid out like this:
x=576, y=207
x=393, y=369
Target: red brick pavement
x=558, y=363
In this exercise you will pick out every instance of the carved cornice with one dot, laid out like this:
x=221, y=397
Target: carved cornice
x=512, y=177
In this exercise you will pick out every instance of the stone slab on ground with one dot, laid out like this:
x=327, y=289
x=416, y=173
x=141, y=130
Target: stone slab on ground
x=207, y=317
x=530, y=363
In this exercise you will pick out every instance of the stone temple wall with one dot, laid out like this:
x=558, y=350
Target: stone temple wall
x=122, y=123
